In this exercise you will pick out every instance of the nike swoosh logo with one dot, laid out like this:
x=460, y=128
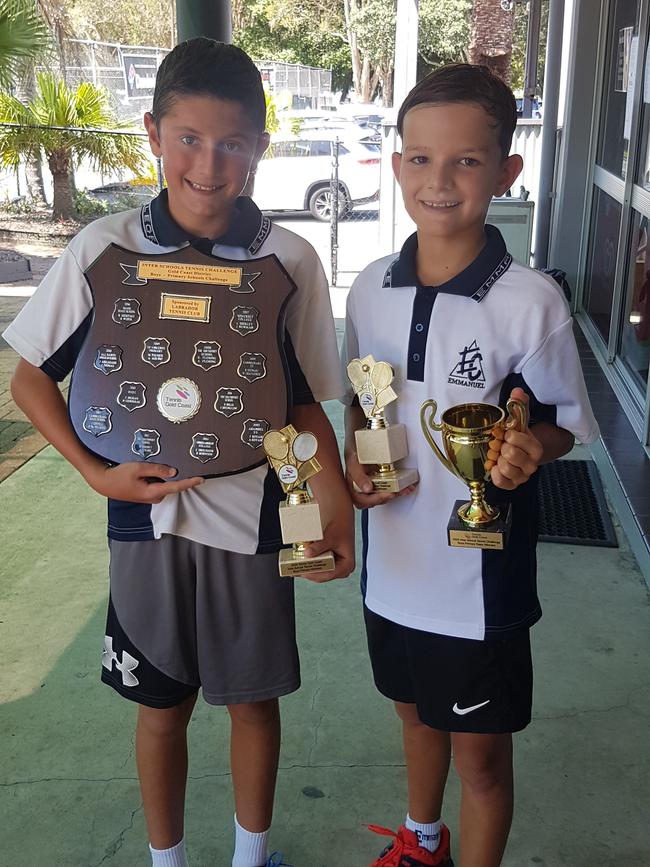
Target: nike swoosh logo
x=461, y=711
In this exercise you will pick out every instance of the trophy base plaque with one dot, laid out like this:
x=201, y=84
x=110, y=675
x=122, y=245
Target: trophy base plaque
x=492, y=537
x=293, y=565
x=393, y=481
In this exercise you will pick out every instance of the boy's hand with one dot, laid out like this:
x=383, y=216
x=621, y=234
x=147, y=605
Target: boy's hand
x=338, y=537
x=133, y=482
x=367, y=497
x=513, y=457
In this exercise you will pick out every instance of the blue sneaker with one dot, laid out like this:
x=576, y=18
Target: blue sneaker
x=277, y=860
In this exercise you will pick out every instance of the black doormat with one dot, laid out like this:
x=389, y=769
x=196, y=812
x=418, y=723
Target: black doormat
x=572, y=507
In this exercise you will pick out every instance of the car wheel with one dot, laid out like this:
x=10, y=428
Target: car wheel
x=320, y=204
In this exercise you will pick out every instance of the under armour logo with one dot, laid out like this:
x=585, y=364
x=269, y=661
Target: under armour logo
x=127, y=666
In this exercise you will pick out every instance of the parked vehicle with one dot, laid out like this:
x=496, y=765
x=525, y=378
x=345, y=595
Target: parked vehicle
x=122, y=190
x=296, y=170
x=536, y=108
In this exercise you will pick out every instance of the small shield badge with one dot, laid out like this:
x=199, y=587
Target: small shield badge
x=252, y=366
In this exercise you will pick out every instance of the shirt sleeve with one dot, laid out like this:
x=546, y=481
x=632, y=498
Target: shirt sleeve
x=49, y=330
x=554, y=374
x=312, y=334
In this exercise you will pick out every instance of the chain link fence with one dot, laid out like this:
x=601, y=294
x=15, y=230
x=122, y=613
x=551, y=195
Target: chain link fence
x=353, y=202
x=127, y=72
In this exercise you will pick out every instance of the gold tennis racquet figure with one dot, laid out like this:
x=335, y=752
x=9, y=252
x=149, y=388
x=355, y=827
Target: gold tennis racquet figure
x=293, y=457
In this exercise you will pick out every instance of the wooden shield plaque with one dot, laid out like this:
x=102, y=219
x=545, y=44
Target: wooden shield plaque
x=184, y=361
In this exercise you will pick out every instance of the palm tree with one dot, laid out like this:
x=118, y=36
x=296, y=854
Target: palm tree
x=24, y=36
x=86, y=110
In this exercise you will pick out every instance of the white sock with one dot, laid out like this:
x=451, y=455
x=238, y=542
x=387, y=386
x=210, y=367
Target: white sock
x=250, y=848
x=174, y=857
x=428, y=834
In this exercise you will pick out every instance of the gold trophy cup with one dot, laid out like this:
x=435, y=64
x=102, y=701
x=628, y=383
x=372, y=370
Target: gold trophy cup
x=292, y=456
x=379, y=443
x=467, y=430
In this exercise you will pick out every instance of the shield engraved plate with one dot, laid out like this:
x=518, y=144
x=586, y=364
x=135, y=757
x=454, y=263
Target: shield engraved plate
x=166, y=322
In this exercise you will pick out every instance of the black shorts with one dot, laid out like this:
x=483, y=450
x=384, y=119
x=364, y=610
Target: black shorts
x=457, y=684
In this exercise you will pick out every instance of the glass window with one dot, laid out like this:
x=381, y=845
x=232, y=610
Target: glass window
x=601, y=260
x=618, y=87
x=321, y=148
x=643, y=170
x=634, y=348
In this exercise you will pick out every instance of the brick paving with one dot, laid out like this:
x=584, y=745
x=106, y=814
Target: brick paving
x=19, y=441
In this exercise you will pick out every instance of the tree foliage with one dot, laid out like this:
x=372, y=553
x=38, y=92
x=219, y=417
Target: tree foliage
x=56, y=105
x=356, y=38
x=519, y=47
x=305, y=33
x=444, y=31
x=373, y=24
x=147, y=22
x=23, y=37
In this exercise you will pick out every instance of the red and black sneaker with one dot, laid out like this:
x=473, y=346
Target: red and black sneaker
x=405, y=850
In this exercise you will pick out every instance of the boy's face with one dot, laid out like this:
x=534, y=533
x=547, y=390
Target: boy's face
x=450, y=167
x=209, y=146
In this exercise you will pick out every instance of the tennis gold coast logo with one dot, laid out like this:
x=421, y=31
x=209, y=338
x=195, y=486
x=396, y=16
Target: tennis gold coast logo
x=469, y=370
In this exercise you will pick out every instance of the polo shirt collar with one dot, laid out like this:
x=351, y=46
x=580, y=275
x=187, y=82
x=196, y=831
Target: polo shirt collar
x=248, y=229
x=474, y=281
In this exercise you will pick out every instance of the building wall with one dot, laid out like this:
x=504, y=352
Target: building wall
x=600, y=235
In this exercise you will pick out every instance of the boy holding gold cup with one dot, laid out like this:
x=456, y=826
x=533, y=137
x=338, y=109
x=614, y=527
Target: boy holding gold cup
x=459, y=321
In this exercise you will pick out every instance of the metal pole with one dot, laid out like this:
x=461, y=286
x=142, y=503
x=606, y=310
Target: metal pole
x=406, y=53
x=532, y=53
x=210, y=18
x=160, y=179
x=334, y=213
x=552, y=73
x=406, y=49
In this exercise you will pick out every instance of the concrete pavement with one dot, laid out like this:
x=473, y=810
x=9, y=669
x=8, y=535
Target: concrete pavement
x=68, y=788
x=18, y=439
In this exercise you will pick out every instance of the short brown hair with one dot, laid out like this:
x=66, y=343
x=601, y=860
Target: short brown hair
x=205, y=67
x=466, y=82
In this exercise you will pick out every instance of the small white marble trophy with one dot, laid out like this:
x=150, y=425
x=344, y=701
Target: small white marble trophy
x=379, y=444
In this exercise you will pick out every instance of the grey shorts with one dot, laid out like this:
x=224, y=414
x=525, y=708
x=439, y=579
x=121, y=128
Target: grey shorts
x=184, y=616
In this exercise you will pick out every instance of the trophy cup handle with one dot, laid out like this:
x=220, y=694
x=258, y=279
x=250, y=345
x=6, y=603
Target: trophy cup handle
x=433, y=424
x=517, y=415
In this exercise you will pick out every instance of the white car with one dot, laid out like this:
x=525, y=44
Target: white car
x=296, y=170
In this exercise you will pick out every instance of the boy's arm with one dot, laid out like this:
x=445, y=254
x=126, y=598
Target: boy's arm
x=40, y=399
x=520, y=453
x=331, y=492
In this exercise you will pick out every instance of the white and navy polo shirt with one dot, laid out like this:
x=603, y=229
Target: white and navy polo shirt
x=494, y=326
x=234, y=513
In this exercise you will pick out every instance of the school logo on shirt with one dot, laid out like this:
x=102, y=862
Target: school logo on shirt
x=469, y=370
